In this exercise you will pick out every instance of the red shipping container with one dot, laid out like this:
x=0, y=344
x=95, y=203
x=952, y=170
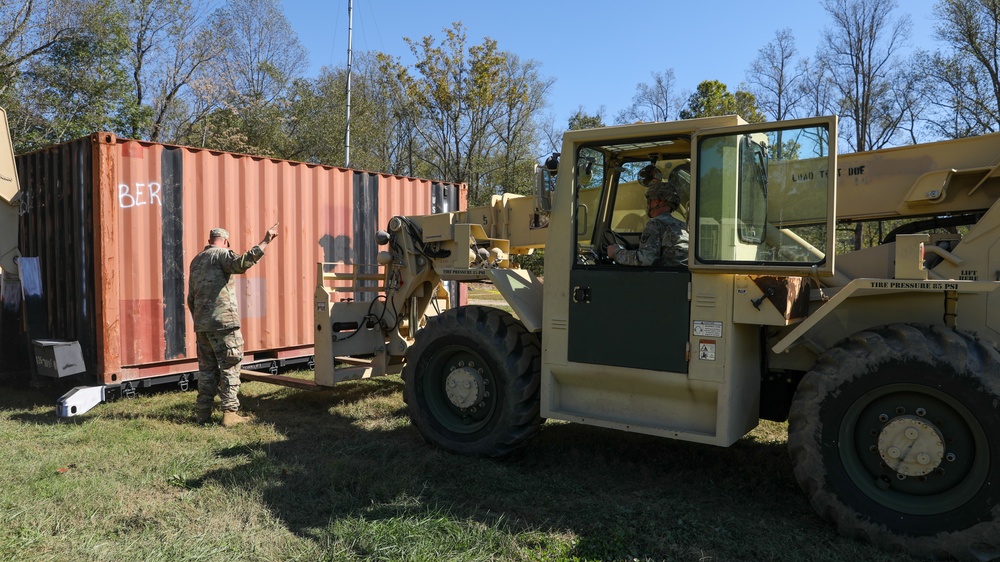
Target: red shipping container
x=116, y=222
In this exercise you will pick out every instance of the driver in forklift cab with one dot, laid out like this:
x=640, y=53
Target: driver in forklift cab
x=664, y=241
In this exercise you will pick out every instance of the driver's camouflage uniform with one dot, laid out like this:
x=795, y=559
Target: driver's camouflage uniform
x=664, y=242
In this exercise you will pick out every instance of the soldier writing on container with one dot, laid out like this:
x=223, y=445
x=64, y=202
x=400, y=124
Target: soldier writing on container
x=212, y=301
x=664, y=241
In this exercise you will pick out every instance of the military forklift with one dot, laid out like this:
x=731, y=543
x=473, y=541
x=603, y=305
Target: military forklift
x=882, y=359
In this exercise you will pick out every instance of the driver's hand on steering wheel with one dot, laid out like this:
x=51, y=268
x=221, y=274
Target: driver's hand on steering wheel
x=612, y=250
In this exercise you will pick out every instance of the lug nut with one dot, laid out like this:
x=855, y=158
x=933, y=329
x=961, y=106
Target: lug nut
x=883, y=417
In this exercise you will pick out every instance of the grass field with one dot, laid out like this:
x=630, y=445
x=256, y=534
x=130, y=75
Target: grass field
x=486, y=294
x=342, y=475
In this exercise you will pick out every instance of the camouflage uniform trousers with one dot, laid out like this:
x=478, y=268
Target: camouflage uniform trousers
x=220, y=355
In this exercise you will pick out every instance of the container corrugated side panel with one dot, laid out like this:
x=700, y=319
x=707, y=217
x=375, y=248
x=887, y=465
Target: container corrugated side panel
x=326, y=214
x=245, y=195
x=116, y=223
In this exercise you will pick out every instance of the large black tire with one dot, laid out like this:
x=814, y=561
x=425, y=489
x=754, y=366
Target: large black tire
x=893, y=437
x=472, y=378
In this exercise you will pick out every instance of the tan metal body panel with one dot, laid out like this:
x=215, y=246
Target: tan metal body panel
x=716, y=402
x=901, y=181
x=9, y=185
x=9, y=189
x=975, y=257
x=523, y=292
x=865, y=303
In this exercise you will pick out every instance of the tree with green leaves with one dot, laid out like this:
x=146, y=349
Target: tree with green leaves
x=712, y=98
x=381, y=122
x=31, y=28
x=77, y=85
x=583, y=120
x=475, y=112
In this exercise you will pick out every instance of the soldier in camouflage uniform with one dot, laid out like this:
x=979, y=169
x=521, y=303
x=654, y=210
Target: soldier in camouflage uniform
x=664, y=241
x=212, y=301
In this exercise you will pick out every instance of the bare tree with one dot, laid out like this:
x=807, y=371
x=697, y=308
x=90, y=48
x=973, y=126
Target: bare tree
x=777, y=79
x=656, y=101
x=262, y=58
x=862, y=50
x=966, y=79
x=169, y=42
x=817, y=88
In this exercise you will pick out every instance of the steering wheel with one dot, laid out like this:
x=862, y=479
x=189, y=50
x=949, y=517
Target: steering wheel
x=612, y=237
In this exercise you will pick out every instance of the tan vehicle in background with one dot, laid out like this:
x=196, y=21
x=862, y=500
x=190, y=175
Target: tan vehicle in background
x=883, y=360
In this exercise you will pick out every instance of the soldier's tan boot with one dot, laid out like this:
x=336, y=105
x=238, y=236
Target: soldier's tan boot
x=204, y=415
x=230, y=419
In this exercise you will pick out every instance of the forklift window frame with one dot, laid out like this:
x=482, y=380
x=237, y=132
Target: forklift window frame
x=721, y=175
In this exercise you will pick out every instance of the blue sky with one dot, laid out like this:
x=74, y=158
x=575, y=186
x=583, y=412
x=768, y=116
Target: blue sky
x=597, y=51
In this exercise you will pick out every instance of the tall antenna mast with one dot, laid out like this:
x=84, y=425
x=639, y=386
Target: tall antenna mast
x=347, y=134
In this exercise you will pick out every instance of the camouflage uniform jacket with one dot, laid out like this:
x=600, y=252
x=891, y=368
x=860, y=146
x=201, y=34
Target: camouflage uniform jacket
x=211, y=295
x=663, y=242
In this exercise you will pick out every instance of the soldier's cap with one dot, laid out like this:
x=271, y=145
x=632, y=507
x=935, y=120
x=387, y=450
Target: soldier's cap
x=218, y=233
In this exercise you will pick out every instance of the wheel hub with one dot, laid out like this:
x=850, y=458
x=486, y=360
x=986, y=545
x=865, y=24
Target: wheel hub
x=464, y=387
x=911, y=446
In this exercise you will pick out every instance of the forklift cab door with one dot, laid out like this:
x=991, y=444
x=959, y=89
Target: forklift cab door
x=763, y=198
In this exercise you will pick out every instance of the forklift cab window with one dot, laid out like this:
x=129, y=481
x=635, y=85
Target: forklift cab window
x=611, y=199
x=762, y=198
